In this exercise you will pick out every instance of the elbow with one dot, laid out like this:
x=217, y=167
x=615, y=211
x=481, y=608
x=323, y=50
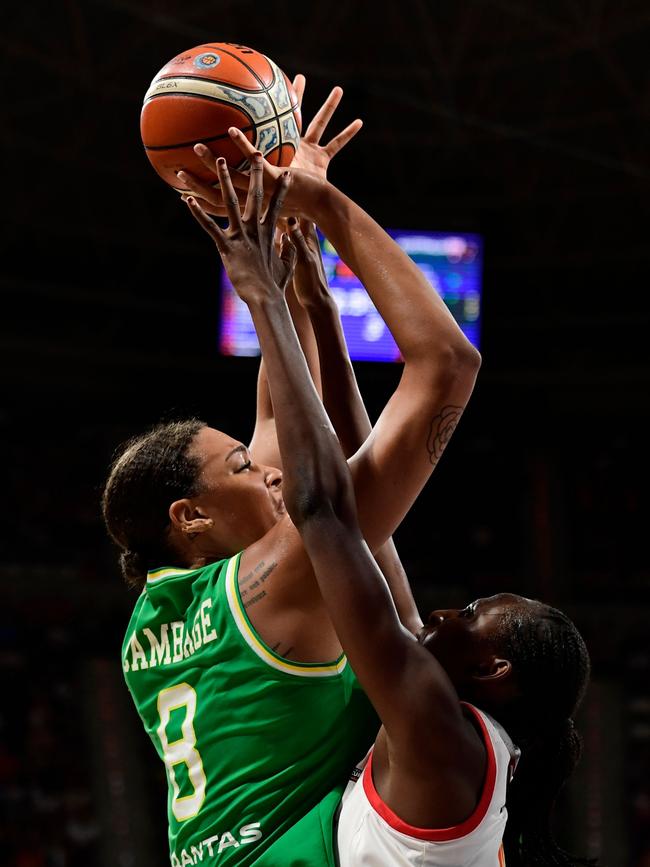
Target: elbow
x=457, y=359
x=307, y=507
x=460, y=353
x=449, y=376
x=469, y=357
x=314, y=500
x=453, y=353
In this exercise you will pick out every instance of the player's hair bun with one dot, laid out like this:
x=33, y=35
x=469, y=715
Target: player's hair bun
x=134, y=567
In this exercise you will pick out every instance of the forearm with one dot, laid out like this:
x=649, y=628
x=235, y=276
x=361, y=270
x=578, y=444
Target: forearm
x=264, y=445
x=341, y=397
x=391, y=566
x=306, y=336
x=313, y=464
x=418, y=318
x=346, y=410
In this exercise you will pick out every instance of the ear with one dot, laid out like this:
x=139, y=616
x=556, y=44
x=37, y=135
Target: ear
x=188, y=518
x=493, y=669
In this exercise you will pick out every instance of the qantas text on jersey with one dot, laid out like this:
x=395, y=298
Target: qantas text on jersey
x=213, y=846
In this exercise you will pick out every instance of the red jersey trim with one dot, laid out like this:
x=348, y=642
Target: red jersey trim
x=439, y=835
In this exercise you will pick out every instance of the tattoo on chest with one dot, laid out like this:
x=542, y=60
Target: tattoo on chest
x=250, y=585
x=442, y=427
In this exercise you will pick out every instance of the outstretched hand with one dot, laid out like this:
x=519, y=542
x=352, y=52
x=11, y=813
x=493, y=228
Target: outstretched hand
x=311, y=156
x=310, y=280
x=246, y=246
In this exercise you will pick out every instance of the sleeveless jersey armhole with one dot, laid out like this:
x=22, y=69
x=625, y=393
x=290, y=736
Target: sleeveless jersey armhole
x=454, y=832
x=258, y=646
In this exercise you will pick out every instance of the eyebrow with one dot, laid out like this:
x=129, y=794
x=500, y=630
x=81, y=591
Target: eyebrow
x=234, y=451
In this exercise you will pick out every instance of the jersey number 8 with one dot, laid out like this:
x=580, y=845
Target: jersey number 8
x=182, y=751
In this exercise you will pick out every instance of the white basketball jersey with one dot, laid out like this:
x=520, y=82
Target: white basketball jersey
x=370, y=834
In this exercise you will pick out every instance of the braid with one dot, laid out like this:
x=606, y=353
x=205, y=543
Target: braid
x=134, y=566
x=148, y=473
x=551, y=666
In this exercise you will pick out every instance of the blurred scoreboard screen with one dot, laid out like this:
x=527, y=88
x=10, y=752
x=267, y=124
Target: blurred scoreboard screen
x=452, y=263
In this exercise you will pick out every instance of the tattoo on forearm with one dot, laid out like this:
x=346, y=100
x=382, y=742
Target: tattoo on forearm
x=442, y=427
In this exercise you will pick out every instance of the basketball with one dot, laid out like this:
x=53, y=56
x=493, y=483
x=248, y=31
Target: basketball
x=202, y=92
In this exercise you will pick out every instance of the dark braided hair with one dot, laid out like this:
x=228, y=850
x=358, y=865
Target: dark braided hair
x=148, y=473
x=551, y=667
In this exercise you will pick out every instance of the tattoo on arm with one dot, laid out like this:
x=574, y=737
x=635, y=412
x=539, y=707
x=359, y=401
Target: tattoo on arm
x=442, y=427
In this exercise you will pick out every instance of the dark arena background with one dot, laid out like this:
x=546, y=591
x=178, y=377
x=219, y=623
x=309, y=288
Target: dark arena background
x=524, y=122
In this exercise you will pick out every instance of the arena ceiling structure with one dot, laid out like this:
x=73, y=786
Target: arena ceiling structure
x=525, y=121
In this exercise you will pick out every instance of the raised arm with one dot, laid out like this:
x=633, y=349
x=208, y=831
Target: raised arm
x=340, y=392
x=410, y=691
x=440, y=364
x=264, y=441
x=398, y=457
x=432, y=762
x=318, y=325
x=314, y=157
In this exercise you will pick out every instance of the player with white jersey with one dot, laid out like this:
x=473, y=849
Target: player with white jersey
x=370, y=833
x=435, y=787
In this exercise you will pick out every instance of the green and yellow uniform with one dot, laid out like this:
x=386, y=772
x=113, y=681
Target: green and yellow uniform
x=251, y=742
x=311, y=842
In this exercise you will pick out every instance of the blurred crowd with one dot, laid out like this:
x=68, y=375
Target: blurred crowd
x=48, y=814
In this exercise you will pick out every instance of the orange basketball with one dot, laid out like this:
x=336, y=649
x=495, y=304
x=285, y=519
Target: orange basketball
x=202, y=92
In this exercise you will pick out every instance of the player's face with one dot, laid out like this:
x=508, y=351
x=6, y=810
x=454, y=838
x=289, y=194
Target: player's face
x=462, y=639
x=244, y=498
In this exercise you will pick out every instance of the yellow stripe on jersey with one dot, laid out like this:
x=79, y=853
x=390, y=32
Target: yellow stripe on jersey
x=254, y=642
x=166, y=572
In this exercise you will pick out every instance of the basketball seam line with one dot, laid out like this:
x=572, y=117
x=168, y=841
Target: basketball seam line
x=243, y=63
x=223, y=135
x=266, y=88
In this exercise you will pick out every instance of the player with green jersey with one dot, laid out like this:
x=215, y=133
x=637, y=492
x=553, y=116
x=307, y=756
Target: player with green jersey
x=224, y=654
x=263, y=736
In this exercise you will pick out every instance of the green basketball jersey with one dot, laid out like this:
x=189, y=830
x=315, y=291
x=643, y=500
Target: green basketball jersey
x=251, y=741
x=311, y=841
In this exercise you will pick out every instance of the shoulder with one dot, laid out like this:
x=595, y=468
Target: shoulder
x=445, y=787
x=279, y=553
x=454, y=742
x=278, y=590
